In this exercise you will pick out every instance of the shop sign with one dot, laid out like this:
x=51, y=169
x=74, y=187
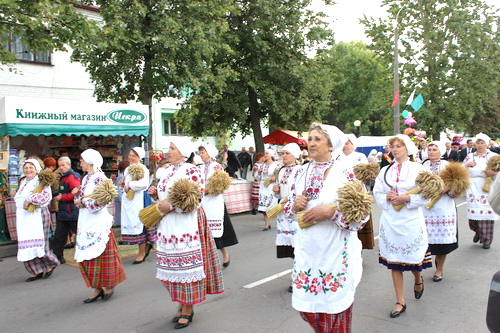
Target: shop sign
x=126, y=116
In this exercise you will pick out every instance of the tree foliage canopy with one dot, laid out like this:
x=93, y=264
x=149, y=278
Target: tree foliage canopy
x=449, y=51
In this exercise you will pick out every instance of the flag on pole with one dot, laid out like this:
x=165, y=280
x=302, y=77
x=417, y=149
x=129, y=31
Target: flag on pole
x=417, y=102
x=410, y=99
x=396, y=98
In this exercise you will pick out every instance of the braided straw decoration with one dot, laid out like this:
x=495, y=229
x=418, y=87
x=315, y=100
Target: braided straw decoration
x=104, y=193
x=353, y=202
x=366, y=171
x=218, y=183
x=47, y=178
x=429, y=184
x=456, y=177
x=185, y=194
x=136, y=172
x=493, y=164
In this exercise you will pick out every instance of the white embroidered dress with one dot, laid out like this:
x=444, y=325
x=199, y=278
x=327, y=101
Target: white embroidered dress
x=353, y=159
x=179, y=257
x=266, y=195
x=213, y=204
x=94, y=221
x=441, y=219
x=402, y=234
x=328, y=263
x=478, y=206
x=286, y=227
x=31, y=238
x=130, y=223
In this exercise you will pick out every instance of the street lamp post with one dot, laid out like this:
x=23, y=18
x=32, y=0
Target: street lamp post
x=396, y=77
x=357, y=124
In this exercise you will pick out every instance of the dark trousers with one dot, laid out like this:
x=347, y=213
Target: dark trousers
x=60, y=237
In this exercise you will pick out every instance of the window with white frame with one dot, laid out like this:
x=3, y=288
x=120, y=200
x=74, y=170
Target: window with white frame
x=170, y=127
x=24, y=53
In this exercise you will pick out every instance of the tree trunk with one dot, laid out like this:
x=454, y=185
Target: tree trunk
x=255, y=120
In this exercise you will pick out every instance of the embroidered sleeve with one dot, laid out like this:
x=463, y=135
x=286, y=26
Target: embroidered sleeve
x=287, y=209
x=338, y=219
x=217, y=166
x=90, y=203
x=41, y=198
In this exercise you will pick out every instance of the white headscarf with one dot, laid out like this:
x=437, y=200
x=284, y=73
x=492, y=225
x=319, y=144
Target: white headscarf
x=373, y=152
x=93, y=157
x=37, y=165
x=197, y=160
x=410, y=146
x=441, y=146
x=293, y=149
x=336, y=136
x=212, y=151
x=183, y=144
x=140, y=151
x=354, y=140
x=271, y=152
x=482, y=136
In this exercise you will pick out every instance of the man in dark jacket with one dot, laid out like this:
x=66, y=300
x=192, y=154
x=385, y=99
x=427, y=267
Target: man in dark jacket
x=245, y=160
x=233, y=164
x=451, y=154
x=67, y=215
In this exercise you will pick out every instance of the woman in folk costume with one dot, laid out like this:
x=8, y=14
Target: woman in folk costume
x=186, y=258
x=265, y=174
x=254, y=198
x=215, y=209
x=403, y=242
x=351, y=158
x=479, y=212
x=133, y=231
x=286, y=227
x=96, y=251
x=33, y=228
x=328, y=263
x=441, y=219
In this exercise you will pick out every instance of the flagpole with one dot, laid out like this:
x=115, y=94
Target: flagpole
x=397, y=129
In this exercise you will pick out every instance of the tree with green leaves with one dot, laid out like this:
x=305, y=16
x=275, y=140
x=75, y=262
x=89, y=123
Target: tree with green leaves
x=147, y=49
x=449, y=52
x=360, y=88
x=270, y=72
x=42, y=25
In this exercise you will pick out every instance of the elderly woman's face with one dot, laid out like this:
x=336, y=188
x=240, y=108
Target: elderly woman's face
x=348, y=148
x=174, y=155
x=29, y=170
x=85, y=166
x=133, y=157
x=399, y=150
x=318, y=147
x=481, y=145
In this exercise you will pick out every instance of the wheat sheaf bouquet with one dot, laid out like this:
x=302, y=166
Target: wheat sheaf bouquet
x=104, y=192
x=456, y=178
x=47, y=178
x=430, y=185
x=184, y=194
x=136, y=172
x=218, y=183
x=493, y=164
x=366, y=171
x=353, y=202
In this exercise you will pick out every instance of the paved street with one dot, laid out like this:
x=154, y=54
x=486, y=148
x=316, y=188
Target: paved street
x=141, y=304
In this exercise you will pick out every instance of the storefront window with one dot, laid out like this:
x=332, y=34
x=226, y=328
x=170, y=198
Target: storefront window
x=24, y=53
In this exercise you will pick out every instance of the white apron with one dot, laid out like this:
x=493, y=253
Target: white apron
x=328, y=263
x=267, y=199
x=179, y=257
x=93, y=226
x=130, y=223
x=478, y=206
x=286, y=228
x=30, y=235
x=441, y=219
x=402, y=235
x=213, y=204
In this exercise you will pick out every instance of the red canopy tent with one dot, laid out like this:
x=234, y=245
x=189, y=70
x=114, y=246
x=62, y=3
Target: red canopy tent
x=283, y=137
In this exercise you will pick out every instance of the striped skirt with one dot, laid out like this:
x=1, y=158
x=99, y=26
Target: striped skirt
x=49, y=260
x=148, y=235
x=326, y=322
x=105, y=271
x=195, y=292
x=254, y=198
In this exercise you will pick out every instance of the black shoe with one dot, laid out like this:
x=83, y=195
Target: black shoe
x=225, y=264
x=92, y=300
x=486, y=246
x=148, y=249
x=254, y=211
x=70, y=245
x=105, y=297
x=267, y=228
x=49, y=273
x=290, y=289
x=61, y=260
x=476, y=238
x=36, y=277
x=137, y=262
x=419, y=294
x=437, y=278
x=395, y=314
x=189, y=318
